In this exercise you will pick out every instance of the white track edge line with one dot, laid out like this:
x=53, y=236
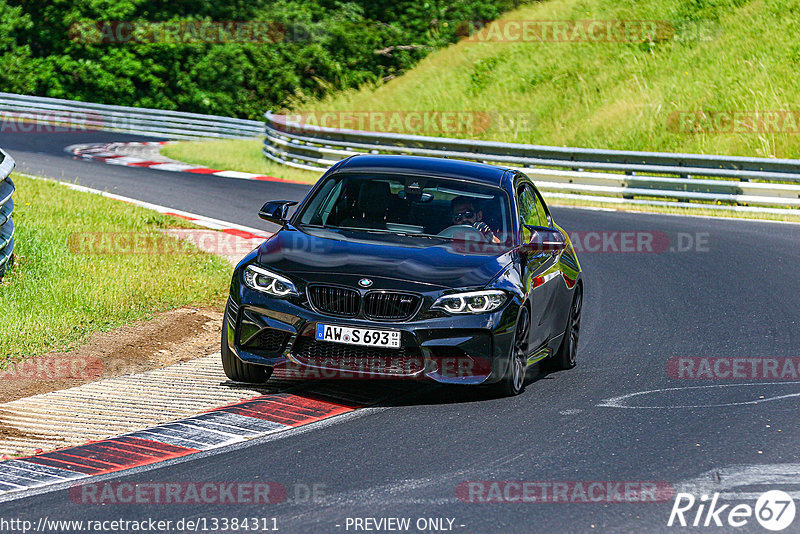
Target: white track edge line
x=201, y=220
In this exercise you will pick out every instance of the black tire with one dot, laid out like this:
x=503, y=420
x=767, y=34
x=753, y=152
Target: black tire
x=236, y=369
x=567, y=353
x=513, y=382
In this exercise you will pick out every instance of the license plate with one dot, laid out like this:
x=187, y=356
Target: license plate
x=358, y=336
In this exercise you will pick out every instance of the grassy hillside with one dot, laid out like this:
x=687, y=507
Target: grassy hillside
x=717, y=56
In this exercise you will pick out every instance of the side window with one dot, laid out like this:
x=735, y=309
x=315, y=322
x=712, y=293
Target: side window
x=541, y=211
x=330, y=203
x=312, y=214
x=527, y=206
x=528, y=210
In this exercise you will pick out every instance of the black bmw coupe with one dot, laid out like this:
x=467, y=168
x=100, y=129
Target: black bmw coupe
x=408, y=267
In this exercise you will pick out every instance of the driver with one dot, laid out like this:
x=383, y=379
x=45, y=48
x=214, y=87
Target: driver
x=464, y=212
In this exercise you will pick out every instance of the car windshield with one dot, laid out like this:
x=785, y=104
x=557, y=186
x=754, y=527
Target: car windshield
x=410, y=205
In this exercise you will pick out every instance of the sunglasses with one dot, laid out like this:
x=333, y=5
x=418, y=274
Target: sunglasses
x=468, y=214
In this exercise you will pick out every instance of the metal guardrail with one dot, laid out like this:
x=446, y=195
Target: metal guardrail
x=6, y=207
x=703, y=181
x=23, y=111
x=751, y=184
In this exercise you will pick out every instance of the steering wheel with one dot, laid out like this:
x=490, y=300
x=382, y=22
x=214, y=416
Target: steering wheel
x=468, y=232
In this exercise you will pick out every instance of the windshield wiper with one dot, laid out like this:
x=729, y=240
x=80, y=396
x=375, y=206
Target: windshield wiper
x=370, y=230
x=320, y=226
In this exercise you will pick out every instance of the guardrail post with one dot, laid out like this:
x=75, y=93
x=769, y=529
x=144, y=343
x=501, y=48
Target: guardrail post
x=6, y=207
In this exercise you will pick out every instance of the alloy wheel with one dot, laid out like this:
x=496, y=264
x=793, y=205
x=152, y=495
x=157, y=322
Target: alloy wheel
x=575, y=327
x=519, y=361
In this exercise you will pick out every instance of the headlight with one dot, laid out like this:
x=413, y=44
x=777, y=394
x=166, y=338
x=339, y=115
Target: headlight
x=471, y=301
x=268, y=282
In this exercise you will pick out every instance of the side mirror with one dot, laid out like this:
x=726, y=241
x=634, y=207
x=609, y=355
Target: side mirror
x=275, y=211
x=544, y=239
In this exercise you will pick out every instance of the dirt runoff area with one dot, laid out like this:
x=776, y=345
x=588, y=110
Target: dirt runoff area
x=171, y=337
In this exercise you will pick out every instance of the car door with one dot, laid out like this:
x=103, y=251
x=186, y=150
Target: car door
x=540, y=274
x=559, y=295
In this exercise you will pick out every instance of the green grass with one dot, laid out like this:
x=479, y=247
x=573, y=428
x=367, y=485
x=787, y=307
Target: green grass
x=54, y=296
x=727, y=55
x=235, y=155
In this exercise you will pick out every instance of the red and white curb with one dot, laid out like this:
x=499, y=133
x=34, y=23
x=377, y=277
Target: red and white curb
x=220, y=427
x=110, y=153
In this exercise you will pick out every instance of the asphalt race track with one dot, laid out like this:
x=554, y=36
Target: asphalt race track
x=730, y=293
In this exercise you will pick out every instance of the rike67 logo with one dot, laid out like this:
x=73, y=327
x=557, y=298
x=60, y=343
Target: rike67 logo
x=774, y=510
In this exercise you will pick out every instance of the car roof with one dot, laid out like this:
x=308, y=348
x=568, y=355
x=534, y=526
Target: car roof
x=450, y=168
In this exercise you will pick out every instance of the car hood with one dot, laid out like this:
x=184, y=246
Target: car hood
x=316, y=254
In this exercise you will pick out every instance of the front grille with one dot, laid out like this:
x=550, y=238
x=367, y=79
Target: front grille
x=268, y=340
x=338, y=301
x=388, y=305
x=378, y=305
x=354, y=359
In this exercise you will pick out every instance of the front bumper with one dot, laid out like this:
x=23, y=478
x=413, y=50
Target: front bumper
x=279, y=333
